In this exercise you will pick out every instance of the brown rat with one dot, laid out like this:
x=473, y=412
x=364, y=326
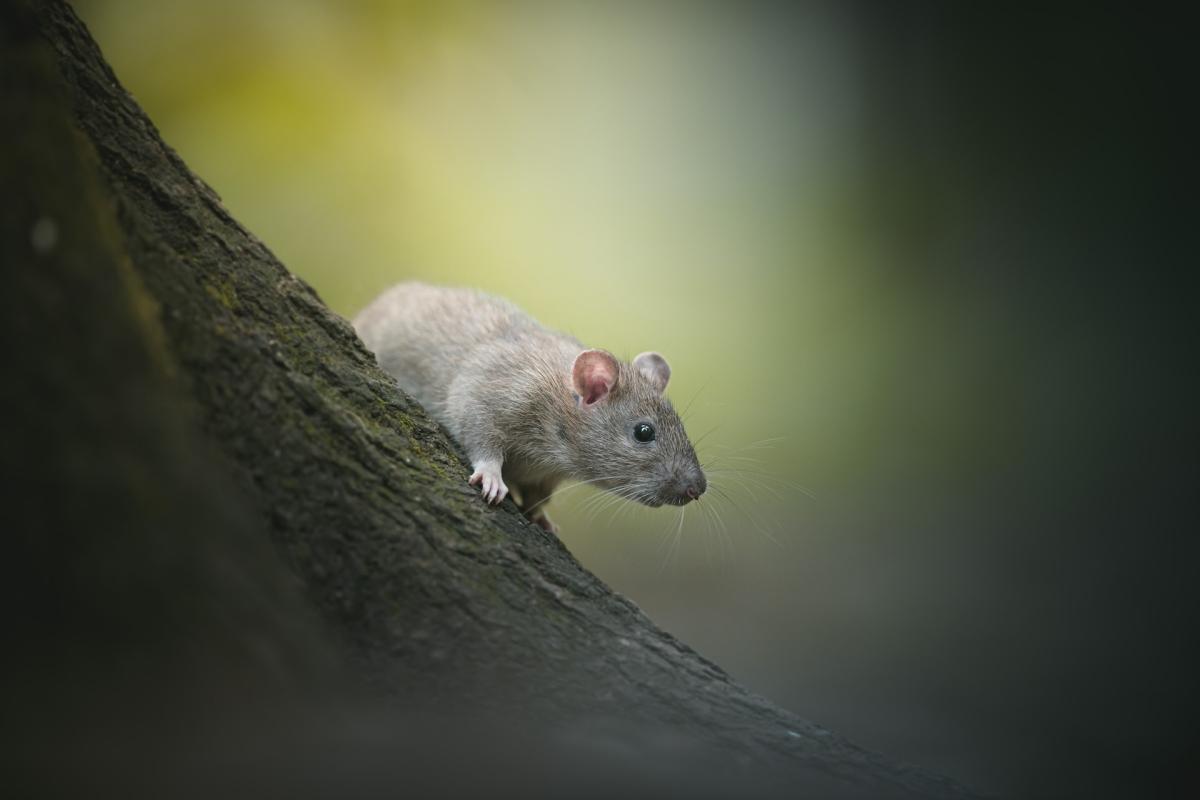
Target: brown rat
x=533, y=406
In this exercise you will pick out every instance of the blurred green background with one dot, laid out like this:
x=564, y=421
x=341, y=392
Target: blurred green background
x=892, y=255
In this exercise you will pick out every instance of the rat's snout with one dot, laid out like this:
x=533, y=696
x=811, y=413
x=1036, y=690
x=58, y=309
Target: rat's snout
x=689, y=486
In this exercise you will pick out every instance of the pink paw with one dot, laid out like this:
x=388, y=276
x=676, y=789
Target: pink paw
x=487, y=477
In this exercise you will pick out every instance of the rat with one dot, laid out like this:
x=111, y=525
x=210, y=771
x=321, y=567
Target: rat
x=529, y=405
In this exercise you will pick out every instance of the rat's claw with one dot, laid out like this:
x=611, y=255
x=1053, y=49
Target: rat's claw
x=487, y=477
x=497, y=491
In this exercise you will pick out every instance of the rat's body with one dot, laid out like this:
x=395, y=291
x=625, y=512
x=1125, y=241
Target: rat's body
x=530, y=402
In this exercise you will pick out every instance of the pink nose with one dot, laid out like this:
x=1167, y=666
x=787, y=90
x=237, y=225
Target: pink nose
x=692, y=492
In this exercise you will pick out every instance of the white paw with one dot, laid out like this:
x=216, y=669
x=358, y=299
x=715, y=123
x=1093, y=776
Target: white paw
x=487, y=477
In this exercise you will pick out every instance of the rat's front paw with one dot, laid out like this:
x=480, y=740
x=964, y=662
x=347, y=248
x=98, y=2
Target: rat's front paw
x=543, y=522
x=487, y=477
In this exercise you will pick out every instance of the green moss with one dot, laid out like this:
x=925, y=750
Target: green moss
x=224, y=293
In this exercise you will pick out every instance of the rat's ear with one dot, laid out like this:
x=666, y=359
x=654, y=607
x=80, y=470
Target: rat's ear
x=655, y=368
x=593, y=375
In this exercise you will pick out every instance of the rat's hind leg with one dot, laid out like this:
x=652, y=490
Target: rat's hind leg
x=533, y=503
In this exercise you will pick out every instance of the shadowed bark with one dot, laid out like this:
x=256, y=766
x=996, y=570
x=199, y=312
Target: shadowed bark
x=226, y=511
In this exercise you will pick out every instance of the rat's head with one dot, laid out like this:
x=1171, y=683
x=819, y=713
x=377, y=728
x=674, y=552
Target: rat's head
x=630, y=439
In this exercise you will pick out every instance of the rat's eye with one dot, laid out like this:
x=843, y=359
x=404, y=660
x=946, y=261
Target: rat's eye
x=643, y=432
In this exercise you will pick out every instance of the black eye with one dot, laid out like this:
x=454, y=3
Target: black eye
x=643, y=432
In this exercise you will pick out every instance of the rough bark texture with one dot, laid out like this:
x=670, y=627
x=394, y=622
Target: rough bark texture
x=217, y=487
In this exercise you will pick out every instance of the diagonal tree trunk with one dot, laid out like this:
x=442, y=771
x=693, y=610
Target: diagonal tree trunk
x=225, y=509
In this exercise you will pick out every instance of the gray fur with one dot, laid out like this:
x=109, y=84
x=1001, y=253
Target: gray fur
x=502, y=385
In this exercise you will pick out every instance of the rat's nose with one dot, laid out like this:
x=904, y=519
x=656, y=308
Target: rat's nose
x=696, y=487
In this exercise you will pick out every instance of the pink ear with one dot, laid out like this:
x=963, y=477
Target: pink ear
x=593, y=375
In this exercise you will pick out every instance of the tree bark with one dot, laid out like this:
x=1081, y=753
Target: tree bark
x=225, y=508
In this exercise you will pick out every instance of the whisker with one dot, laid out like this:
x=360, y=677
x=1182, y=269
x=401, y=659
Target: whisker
x=747, y=485
x=602, y=500
x=760, y=444
x=705, y=435
x=637, y=492
x=761, y=475
x=674, y=538
x=757, y=524
x=573, y=485
x=688, y=407
x=716, y=527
